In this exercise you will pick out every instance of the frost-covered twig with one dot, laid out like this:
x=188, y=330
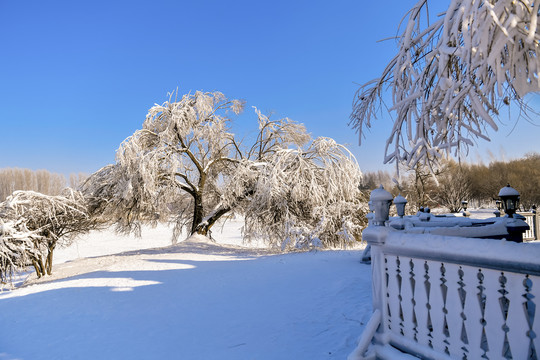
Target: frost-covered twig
x=185, y=166
x=449, y=79
x=33, y=224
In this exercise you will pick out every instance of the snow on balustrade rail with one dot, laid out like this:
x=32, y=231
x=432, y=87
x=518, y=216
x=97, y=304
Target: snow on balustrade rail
x=443, y=297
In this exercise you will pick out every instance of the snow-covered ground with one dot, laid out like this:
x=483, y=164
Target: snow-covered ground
x=114, y=297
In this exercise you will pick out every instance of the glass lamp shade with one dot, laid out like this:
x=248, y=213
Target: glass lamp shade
x=510, y=199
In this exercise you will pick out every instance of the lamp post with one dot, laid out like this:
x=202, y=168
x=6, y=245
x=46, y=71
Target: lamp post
x=400, y=203
x=381, y=200
x=498, y=211
x=464, y=204
x=510, y=200
x=514, y=224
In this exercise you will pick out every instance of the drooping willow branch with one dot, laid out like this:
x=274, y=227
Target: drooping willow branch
x=449, y=79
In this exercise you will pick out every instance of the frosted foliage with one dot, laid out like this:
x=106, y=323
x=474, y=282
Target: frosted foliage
x=16, y=249
x=168, y=164
x=450, y=78
x=305, y=197
x=185, y=166
x=33, y=224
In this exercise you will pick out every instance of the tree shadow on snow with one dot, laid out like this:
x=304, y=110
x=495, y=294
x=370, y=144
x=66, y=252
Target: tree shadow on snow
x=153, y=306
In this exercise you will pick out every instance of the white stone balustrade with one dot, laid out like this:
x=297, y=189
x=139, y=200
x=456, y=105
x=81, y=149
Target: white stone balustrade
x=448, y=297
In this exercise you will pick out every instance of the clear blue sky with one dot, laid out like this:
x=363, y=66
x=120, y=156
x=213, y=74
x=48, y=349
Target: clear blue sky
x=77, y=78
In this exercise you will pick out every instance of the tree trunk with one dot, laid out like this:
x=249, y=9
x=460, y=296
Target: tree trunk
x=49, y=261
x=198, y=213
x=39, y=267
x=204, y=227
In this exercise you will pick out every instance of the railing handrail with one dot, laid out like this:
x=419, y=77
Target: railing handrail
x=485, y=253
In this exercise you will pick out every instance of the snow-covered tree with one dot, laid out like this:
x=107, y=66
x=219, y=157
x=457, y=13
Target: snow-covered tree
x=33, y=224
x=450, y=78
x=17, y=249
x=306, y=197
x=185, y=163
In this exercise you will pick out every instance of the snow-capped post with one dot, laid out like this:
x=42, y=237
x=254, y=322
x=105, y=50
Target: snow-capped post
x=464, y=204
x=510, y=200
x=375, y=235
x=497, y=212
x=400, y=203
x=515, y=225
x=381, y=200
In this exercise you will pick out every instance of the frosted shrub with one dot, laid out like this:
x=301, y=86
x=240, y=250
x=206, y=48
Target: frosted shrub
x=33, y=224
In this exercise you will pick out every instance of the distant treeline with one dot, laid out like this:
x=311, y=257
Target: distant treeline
x=479, y=184
x=43, y=181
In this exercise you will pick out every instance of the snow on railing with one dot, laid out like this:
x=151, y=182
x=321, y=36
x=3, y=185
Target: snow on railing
x=447, y=297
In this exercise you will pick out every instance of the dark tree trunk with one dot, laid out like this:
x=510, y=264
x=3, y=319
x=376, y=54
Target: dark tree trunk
x=198, y=213
x=49, y=262
x=203, y=228
x=39, y=267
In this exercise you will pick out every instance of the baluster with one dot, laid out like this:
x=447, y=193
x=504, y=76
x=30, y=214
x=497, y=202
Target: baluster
x=444, y=292
x=388, y=312
x=408, y=301
x=429, y=323
x=393, y=295
x=504, y=302
x=473, y=313
x=413, y=301
x=438, y=306
x=530, y=311
x=494, y=316
x=482, y=304
x=519, y=318
x=400, y=298
x=462, y=298
x=454, y=323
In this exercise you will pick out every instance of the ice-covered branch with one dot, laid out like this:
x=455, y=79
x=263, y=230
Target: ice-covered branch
x=449, y=79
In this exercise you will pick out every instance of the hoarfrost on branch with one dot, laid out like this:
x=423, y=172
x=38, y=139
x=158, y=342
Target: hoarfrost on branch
x=33, y=224
x=450, y=78
x=186, y=166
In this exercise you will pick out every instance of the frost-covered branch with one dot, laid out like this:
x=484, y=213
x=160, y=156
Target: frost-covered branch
x=33, y=224
x=449, y=79
x=304, y=197
x=185, y=166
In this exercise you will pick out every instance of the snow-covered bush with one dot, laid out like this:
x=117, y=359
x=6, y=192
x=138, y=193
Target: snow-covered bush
x=185, y=166
x=33, y=224
x=17, y=249
x=450, y=78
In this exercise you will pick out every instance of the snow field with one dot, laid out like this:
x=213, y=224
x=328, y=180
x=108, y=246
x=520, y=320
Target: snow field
x=193, y=300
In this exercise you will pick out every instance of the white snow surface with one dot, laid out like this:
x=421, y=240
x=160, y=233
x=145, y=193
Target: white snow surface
x=117, y=297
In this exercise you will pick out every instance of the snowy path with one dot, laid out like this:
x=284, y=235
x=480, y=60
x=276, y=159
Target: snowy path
x=194, y=300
